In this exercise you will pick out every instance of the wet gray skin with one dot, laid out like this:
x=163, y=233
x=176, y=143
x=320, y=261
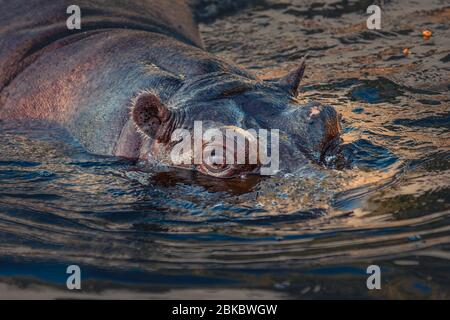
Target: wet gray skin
x=307, y=133
x=126, y=82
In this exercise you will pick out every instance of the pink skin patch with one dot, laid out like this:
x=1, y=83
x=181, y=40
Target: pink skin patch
x=314, y=112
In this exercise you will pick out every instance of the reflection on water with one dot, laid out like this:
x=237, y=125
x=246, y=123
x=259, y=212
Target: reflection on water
x=308, y=234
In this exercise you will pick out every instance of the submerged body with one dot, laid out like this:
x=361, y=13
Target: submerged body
x=136, y=72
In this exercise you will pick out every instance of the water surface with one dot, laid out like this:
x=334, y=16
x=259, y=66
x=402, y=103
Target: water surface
x=169, y=233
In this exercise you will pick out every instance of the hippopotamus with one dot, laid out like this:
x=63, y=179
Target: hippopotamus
x=135, y=72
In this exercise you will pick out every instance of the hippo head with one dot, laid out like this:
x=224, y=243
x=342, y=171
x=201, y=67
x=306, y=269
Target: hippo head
x=221, y=101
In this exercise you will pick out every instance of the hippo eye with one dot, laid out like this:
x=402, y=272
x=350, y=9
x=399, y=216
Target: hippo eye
x=218, y=170
x=215, y=167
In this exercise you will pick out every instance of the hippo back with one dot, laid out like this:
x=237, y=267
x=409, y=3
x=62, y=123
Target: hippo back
x=26, y=27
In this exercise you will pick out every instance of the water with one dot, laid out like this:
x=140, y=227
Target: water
x=171, y=234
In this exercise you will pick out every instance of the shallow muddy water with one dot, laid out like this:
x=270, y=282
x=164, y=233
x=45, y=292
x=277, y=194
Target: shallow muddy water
x=169, y=233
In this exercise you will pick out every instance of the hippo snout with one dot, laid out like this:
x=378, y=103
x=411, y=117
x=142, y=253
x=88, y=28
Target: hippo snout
x=314, y=128
x=324, y=127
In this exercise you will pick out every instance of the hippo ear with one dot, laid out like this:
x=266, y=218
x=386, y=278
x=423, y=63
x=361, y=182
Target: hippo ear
x=149, y=114
x=291, y=82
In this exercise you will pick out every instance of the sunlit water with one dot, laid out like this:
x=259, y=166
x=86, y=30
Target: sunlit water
x=303, y=235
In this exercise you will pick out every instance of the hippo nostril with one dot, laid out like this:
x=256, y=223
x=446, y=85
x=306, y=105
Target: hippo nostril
x=330, y=148
x=332, y=136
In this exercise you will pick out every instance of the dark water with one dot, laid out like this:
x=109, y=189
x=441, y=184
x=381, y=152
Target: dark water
x=304, y=235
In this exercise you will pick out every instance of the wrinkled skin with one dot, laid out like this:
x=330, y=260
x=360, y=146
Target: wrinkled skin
x=136, y=72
